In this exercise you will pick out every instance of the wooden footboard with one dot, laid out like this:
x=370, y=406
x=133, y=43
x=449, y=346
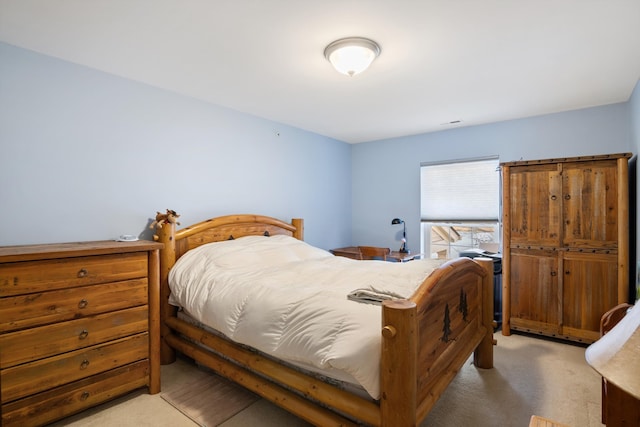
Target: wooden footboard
x=445, y=321
x=426, y=339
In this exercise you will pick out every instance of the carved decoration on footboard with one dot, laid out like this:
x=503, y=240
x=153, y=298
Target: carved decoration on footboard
x=446, y=324
x=463, y=308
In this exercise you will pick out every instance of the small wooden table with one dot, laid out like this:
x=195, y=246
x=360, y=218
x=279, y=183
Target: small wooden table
x=353, y=253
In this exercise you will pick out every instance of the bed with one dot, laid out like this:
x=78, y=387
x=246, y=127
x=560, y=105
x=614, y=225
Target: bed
x=422, y=340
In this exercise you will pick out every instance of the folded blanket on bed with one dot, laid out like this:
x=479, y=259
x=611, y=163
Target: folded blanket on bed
x=372, y=296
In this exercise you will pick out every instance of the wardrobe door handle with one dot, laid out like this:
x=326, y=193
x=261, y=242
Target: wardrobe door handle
x=554, y=197
x=554, y=274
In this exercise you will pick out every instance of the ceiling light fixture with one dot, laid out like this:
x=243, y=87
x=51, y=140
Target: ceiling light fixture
x=352, y=55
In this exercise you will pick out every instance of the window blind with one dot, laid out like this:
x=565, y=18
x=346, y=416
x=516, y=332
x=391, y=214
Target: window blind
x=460, y=191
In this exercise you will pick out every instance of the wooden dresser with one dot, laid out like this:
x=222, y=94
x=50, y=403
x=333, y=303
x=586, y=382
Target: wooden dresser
x=79, y=325
x=565, y=244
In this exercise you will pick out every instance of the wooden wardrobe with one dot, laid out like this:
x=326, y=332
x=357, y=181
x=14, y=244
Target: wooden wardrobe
x=565, y=244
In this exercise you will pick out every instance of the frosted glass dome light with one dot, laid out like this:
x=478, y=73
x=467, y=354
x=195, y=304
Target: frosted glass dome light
x=352, y=55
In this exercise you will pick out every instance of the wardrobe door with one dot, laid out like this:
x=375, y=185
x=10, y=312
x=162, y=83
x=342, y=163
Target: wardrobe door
x=535, y=291
x=535, y=206
x=589, y=290
x=590, y=204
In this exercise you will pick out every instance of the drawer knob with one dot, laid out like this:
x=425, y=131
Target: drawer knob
x=83, y=303
x=82, y=273
x=84, y=364
x=84, y=395
x=83, y=334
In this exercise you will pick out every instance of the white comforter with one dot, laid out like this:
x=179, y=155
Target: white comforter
x=289, y=299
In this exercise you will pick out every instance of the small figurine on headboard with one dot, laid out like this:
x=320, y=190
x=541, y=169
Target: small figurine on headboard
x=171, y=217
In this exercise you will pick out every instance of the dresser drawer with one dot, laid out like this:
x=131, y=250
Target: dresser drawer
x=37, y=276
x=23, y=380
x=60, y=402
x=24, y=311
x=38, y=343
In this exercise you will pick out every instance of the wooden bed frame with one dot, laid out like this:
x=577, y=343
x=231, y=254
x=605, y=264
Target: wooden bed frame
x=426, y=339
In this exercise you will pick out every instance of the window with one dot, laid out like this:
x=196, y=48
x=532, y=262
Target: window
x=460, y=207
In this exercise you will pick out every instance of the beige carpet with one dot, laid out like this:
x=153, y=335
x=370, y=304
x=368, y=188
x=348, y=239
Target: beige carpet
x=209, y=400
x=532, y=376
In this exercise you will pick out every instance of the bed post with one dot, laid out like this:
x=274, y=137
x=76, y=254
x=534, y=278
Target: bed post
x=398, y=367
x=166, y=235
x=483, y=355
x=298, y=223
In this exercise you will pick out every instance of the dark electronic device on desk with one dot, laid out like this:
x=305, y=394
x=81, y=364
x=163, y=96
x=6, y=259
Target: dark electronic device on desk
x=497, y=279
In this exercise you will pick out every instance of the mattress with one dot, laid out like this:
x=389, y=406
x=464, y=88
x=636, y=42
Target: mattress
x=290, y=301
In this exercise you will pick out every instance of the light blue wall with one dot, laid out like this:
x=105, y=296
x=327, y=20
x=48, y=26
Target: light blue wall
x=386, y=174
x=634, y=112
x=86, y=155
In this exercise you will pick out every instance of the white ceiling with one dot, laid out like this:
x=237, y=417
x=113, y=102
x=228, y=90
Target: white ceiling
x=477, y=61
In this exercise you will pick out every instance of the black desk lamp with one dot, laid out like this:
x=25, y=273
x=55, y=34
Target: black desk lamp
x=403, y=248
